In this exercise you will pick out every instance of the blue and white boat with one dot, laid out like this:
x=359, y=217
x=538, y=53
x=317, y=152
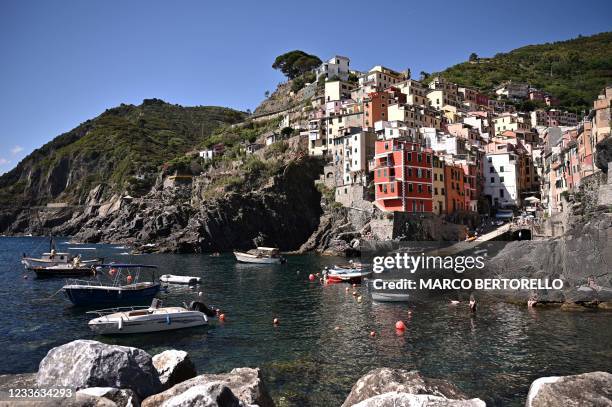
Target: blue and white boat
x=124, y=287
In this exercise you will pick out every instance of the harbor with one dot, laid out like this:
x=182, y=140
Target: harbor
x=321, y=342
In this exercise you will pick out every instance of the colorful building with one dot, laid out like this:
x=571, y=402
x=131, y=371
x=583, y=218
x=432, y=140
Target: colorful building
x=403, y=176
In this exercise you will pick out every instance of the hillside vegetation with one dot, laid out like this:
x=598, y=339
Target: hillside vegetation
x=112, y=148
x=574, y=71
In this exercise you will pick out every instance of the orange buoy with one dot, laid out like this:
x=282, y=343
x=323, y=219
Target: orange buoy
x=129, y=279
x=354, y=285
x=276, y=321
x=400, y=326
x=112, y=272
x=311, y=277
x=221, y=317
x=373, y=333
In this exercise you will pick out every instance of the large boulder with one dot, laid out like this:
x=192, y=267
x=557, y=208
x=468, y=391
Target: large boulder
x=385, y=380
x=213, y=394
x=84, y=363
x=107, y=396
x=588, y=389
x=395, y=399
x=246, y=383
x=174, y=366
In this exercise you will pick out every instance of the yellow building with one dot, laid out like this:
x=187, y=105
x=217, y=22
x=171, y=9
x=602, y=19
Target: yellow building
x=439, y=200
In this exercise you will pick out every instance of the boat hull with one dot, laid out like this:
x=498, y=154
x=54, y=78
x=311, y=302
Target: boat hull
x=42, y=272
x=146, y=324
x=249, y=258
x=100, y=295
x=390, y=297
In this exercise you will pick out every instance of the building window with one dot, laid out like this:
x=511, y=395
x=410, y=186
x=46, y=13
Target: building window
x=420, y=188
x=501, y=179
x=392, y=188
x=435, y=176
x=501, y=193
x=409, y=187
x=501, y=169
x=492, y=180
x=491, y=169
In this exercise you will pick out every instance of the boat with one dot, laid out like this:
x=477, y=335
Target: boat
x=352, y=273
x=260, y=255
x=152, y=318
x=174, y=279
x=53, y=258
x=381, y=296
x=96, y=291
x=64, y=270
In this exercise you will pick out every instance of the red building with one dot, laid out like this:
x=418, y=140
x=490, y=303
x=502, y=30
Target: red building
x=403, y=176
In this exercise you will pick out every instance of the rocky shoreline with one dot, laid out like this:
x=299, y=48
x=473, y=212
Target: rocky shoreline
x=118, y=376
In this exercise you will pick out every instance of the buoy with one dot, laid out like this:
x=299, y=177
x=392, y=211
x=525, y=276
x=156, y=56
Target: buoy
x=112, y=272
x=346, y=289
x=355, y=293
x=318, y=274
x=218, y=311
x=311, y=277
x=200, y=294
x=359, y=298
x=129, y=279
x=373, y=333
x=354, y=285
x=25, y=276
x=400, y=326
x=222, y=317
x=336, y=328
x=276, y=321
x=320, y=280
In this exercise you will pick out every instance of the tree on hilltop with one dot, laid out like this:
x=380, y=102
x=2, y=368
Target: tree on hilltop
x=295, y=63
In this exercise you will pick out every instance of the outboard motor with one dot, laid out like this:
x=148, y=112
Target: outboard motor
x=200, y=306
x=156, y=303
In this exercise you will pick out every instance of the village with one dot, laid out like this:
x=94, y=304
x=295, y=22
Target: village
x=436, y=147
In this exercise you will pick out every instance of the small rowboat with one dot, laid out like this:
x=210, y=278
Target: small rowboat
x=154, y=318
x=380, y=296
x=352, y=273
x=174, y=279
x=261, y=255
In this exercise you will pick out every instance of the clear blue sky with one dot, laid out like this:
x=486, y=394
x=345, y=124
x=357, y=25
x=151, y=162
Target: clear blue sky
x=63, y=62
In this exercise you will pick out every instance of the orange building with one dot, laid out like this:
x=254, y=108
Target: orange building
x=376, y=104
x=455, y=187
x=403, y=176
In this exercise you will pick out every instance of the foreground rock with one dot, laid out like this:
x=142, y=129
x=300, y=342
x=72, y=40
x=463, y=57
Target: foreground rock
x=174, y=366
x=107, y=396
x=384, y=380
x=83, y=363
x=396, y=399
x=588, y=389
x=213, y=394
x=245, y=383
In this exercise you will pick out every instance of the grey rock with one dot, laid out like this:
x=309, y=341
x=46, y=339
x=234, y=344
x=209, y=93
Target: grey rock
x=589, y=389
x=213, y=394
x=98, y=396
x=84, y=363
x=385, y=380
x=174, y=366
x=245, y=383
x=396, y=399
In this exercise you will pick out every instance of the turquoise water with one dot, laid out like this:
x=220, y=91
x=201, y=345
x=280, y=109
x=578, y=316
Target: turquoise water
x=306, y=361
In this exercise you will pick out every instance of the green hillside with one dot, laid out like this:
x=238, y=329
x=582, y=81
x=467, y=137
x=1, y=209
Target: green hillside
x=574, y=71
x=121, y=142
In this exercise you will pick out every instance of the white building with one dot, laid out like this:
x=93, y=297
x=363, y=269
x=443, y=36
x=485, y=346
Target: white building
x=386, y=130
x=337, y=66
x=502, y=179
x=442, y=142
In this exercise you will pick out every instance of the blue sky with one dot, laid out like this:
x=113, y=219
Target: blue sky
x=63, y=62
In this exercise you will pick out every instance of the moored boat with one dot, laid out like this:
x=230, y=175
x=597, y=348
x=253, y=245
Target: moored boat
x=260, y=255
x=154, y=318
x=133, y=291
x=174, y=279
x=64, y=270
x=385, y=296
x=352, y=273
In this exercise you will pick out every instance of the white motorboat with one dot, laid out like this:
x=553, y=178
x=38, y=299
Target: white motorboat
x=174, y=279
x=261, y=255
x=155, y=318
x=352, y=273
x=381, y=296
